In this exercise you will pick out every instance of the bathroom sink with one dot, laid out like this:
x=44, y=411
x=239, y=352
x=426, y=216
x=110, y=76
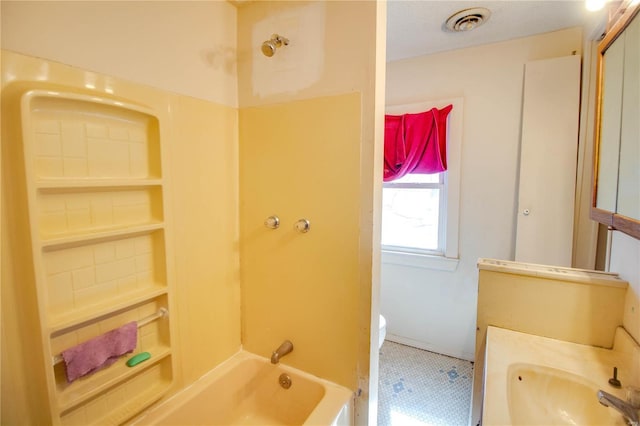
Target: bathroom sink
x=540, y=395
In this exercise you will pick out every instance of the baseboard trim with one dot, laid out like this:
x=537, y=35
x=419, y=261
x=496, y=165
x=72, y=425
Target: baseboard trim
x=429, y=347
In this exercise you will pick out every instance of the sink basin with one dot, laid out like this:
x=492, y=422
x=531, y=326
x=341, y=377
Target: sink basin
x=540, y=395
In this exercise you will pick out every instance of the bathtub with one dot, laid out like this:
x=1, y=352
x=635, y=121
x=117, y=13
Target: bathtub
x=245, y=390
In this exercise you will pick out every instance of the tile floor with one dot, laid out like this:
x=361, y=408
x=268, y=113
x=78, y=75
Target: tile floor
x=420, y=388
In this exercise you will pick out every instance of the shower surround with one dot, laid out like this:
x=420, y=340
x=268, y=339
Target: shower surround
x=329, y=138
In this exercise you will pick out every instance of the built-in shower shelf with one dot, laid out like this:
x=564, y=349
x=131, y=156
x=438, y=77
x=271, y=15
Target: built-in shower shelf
x=135, y=405
x=96, y=237
x=97, y=205
x=85, y=389
x=105, y=308
x=58, y=185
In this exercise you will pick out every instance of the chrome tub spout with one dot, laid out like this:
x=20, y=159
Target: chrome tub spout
x=284, y=349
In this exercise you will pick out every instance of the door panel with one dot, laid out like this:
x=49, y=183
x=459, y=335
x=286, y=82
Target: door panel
x=548, y=161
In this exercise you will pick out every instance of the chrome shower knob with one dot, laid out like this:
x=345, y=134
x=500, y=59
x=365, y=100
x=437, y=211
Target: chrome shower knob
x=302, y=226
x=272, y=222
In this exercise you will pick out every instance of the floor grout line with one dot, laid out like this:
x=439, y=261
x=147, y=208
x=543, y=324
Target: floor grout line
x=418, y=387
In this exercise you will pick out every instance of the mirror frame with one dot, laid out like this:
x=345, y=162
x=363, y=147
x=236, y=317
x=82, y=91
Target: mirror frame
x=613, y=220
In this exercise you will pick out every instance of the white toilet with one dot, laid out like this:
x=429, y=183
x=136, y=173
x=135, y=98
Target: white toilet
x=383, y=331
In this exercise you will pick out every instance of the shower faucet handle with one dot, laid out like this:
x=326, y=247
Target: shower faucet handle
x=272, y=222
x=302, y=226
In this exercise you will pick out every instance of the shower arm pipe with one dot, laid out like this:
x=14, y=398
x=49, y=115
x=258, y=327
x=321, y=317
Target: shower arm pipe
x=281, y=39
x=162, y=312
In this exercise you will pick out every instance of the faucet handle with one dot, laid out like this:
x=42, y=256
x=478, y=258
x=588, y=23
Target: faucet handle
x=272, y=222
x=303, y=226
x=614, y=380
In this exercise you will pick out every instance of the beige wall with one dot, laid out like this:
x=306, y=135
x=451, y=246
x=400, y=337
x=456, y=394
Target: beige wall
x=300, y=159
x=188, y=48
x=586, y=310
x=438, y=308
x=334, y=51
x=331, y=50
x=204, y=193
x=302, y=287
x=183, y=47
x=625, y=260
x=201, y=220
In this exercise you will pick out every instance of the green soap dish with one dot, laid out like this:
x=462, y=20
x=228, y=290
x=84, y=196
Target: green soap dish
x=137, y=359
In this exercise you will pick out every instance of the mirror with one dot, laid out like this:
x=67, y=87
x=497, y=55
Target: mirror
x=616, y=188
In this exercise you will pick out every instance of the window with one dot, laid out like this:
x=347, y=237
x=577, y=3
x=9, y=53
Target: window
x=413, y=214
x=420, y=212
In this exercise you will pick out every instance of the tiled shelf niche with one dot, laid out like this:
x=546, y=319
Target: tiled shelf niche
x=96, y=205
x=87, y=276
x=78, y=137
x=80, y=211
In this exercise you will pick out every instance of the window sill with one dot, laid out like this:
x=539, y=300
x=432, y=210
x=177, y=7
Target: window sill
x=415, y=260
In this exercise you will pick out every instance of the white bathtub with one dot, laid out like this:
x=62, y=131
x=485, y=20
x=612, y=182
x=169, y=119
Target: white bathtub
x=244, y=390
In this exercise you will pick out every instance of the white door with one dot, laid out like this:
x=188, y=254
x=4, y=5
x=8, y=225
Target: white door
x=550, y=121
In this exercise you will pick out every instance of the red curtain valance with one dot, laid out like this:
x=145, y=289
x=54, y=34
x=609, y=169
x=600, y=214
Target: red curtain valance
x=415, y=143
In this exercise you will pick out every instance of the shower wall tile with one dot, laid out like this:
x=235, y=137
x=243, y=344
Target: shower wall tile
x=74, y=212
x=284, y=170
x=201, y=139
x=82, y=276
x=90, y=147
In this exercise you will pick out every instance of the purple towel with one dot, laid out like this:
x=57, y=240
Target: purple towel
x=100, y=351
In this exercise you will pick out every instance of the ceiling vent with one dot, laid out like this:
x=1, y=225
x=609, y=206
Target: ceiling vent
x=467, y=19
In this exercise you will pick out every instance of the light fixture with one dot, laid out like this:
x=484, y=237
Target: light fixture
x=467, y=19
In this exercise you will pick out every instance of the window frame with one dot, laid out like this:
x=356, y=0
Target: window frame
x=441, y=185
x=448, y=258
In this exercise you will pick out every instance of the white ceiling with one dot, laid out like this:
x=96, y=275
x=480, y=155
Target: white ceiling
x=415, y=27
